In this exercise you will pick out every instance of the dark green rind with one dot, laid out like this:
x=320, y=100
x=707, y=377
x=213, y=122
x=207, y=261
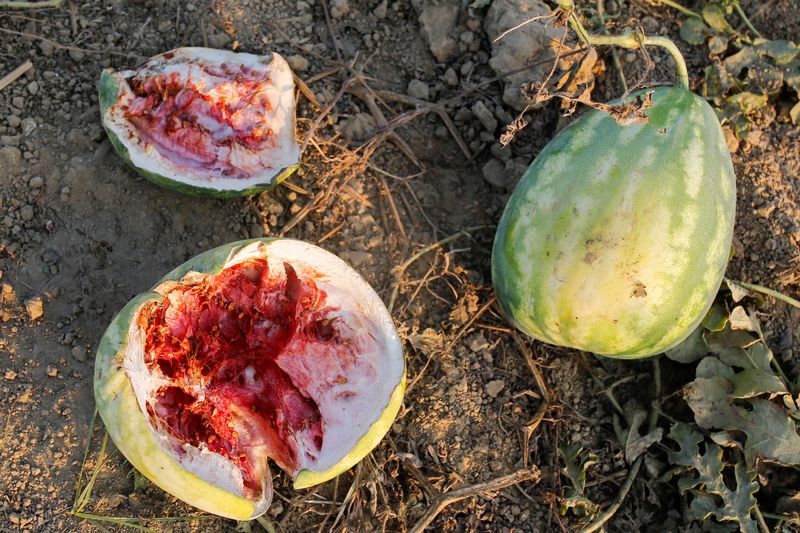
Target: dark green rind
x=521, y=282
x=108, y=89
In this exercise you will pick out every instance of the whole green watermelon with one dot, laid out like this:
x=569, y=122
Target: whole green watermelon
x=616, y=239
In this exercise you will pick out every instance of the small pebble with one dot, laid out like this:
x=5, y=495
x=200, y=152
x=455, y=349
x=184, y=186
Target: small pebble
x=493, y=388
x=28, y=125
x=10, y=158
x=46, y=48
x=494, y=172
x=36, y=182
x=79, y=353
x=10, y=375
x=298, y=63
x=486, y=117
x=418, y=89
x=33, y=88
x=52, y=371
x=339, y=8
x=381, y=10
x=18, y=102
x=26, y=212
x=451, y=77
x=34, y=307
x=13, y=121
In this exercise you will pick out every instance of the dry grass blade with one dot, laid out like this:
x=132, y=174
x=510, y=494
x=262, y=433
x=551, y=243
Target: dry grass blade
x=12, y=76
x=392, y=206
x=444, y=499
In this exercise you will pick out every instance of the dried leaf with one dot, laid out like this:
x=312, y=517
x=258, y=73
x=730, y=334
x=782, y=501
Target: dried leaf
x=636, y=445
x=794, y=113
x=739, y=319
x=748, y=102
x=738, y=292
x=427, y=341
x=718, y=45
x=691, y=349
x=771, y=433
x=709, y=484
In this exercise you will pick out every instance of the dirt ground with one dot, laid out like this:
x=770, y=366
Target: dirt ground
x=82, y=233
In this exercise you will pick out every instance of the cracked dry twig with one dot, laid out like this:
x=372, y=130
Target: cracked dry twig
x=442, y=500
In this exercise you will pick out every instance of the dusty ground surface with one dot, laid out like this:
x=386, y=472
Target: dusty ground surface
x=82, y=233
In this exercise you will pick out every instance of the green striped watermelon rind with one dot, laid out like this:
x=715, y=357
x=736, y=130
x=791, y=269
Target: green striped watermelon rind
x=558, y=228
x=108, y=89
x=132, y=434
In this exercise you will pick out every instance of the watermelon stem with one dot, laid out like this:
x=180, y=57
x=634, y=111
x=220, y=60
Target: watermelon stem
x=628, y=39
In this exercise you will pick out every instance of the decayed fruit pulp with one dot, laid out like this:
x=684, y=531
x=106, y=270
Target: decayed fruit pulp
x=242, y=356
x=204, y=116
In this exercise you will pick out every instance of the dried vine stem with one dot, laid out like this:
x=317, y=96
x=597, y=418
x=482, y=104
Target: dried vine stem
x=442, y=500
x=629, y=39
x=31, y=5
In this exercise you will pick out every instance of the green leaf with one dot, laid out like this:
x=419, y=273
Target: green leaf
x=708, y=482
x=754, y=381
x=780, y=51
x=715, y=17
x=771, y=433
x=716, y=318
x=694, y=32
x=574, y=468
x=720, y=341
x=760, y=356
x=737, y=504
x=690, y=349
x=711, y=366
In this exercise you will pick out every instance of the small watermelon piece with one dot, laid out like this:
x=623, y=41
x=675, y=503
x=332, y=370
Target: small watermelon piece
x=204, y=121
x=267, y=350
x=616, y=239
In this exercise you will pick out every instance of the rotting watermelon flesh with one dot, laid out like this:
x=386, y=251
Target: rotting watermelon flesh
x=204, y=121
x=275, y=350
